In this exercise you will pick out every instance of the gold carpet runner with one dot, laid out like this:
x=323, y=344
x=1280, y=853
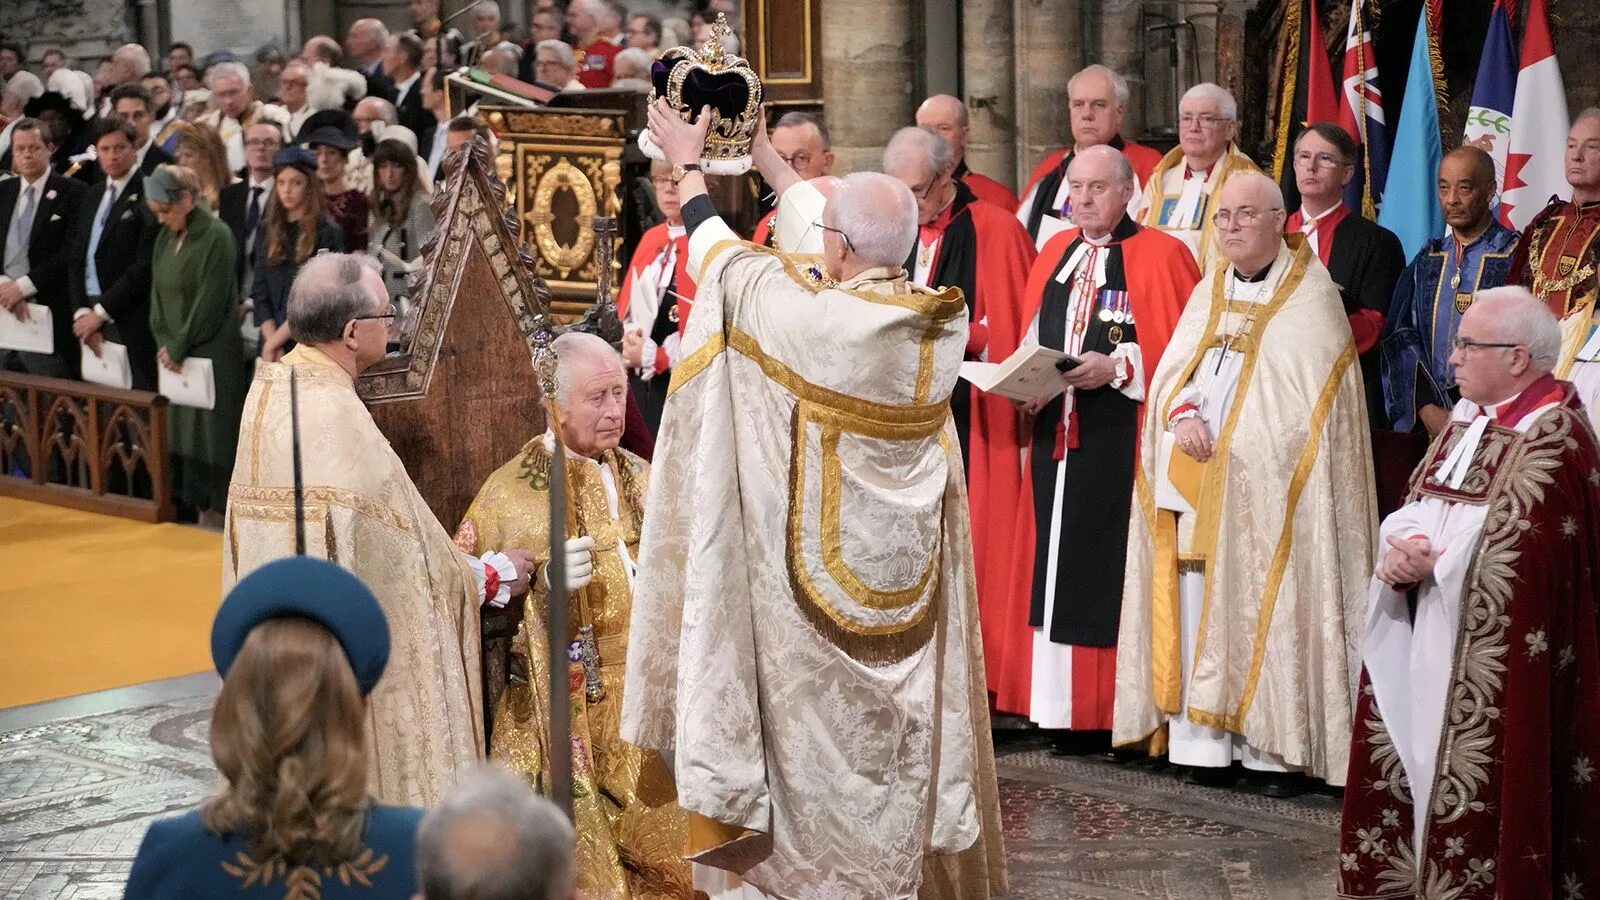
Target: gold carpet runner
x=90, y=601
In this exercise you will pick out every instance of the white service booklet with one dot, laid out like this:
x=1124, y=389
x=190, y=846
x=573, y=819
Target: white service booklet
x=37, y=335
x=110, y=368
x=193, y=386
x=1027, y=375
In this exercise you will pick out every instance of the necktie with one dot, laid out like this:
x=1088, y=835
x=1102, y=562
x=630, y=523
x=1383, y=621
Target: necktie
x=252, y=216
x=16, y=261
x=91, y=279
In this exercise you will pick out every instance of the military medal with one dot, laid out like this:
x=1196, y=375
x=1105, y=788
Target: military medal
x=1114, y=334
x=1105, y=315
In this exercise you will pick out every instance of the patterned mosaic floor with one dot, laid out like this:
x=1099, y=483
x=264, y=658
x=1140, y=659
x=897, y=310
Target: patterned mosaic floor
x=76, y=794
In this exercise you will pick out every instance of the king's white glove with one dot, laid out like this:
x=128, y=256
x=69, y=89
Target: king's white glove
x=580, y=563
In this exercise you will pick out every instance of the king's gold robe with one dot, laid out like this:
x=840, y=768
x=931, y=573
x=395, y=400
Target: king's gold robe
x=425, y=718
x=1282, y=529
x=631, y=832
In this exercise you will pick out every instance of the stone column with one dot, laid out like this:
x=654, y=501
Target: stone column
x=1049, y=50
x=868, y=77
x=988, y=61
x=1122, y=48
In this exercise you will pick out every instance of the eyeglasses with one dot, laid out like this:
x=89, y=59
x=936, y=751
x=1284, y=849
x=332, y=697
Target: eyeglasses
x=842, y=236
x=263, y=144
x=1317, y=160
x=661, y=182
x=926, y=192
x=797, y=161
x=1467, y=345
x=1204, y=120
x=1243, y=217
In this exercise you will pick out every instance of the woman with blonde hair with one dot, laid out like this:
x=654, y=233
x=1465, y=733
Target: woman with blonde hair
x=300, y=644
x=201, y=150
x=294, y=228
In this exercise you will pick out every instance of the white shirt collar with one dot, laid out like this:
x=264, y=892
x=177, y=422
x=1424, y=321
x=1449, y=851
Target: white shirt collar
x=405, y=86
x=265, y=184
x=26, y=184
x=676, y=231
x=1307, y=218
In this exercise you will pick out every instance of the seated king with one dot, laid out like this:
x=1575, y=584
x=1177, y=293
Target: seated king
x=631, y=831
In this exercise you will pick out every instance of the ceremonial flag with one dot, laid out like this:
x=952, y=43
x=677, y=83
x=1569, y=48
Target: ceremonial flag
x=1361, y=114
x=1410, y=203
x=1534, y=170
x=1488, y=124
x=1307, y=94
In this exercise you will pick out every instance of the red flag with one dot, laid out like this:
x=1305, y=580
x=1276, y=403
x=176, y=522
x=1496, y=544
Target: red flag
x=1321, y=99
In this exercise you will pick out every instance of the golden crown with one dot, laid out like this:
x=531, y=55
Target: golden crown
x=690, y=79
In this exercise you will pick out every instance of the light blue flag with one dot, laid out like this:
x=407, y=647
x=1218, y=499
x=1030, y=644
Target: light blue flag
x=1410, y=201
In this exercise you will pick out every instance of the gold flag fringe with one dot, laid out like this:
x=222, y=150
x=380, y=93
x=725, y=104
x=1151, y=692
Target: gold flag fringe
x=1291, y=75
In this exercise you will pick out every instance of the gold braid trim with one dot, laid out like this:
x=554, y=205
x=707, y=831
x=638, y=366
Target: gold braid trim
x=1291, y=70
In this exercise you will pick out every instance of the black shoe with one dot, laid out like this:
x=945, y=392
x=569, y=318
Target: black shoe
x=1081, y=743
x=1208, y=776
x=1278, y=785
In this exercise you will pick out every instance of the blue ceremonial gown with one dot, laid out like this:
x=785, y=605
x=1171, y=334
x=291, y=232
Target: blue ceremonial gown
x=1420, y=330
x=180, y=859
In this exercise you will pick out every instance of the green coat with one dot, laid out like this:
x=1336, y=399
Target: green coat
x=194, y=312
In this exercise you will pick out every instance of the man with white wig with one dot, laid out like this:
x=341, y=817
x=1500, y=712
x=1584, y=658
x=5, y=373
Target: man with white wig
x=804, y=645
x=1180, y=195
x=1478, y=717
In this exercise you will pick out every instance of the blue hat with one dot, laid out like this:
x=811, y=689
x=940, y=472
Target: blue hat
x=295, y=157
x=306, y=588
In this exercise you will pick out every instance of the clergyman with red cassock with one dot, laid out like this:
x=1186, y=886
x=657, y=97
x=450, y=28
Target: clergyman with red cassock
x=1477, y=729
x=973, y=245
x=1109, y=293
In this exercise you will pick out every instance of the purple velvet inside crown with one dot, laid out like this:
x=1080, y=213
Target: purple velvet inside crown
x=726, y=92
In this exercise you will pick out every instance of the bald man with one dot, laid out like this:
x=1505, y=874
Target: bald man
x=1097, y=99
x=1477, y=718
x=1559, y=260
x=947, y=117
x=1419, y=385
x=842, y=659
x=1248, y=559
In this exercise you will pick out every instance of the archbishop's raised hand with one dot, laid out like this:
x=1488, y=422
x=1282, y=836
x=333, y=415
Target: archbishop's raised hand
x=681, y=142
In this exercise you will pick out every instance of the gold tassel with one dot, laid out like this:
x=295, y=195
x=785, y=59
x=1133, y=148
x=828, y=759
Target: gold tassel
x=1291, y=74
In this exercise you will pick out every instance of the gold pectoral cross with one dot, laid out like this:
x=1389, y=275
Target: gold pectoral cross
x=594, y=690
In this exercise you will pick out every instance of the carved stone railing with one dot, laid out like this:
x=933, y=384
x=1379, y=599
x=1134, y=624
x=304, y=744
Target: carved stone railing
x=84, y=446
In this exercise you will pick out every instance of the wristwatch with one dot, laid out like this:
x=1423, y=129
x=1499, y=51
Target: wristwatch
x=681, y=172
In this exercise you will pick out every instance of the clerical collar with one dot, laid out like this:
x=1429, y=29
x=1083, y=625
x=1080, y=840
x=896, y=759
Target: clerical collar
x=1510, y=411
x=1205, y=174
x=1124, y=229
x=1257, y=278
x=676, y=231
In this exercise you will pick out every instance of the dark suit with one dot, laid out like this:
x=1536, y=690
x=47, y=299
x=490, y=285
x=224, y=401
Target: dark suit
x=90, y=174
x=122, y=263
x=234, y=209
x=412, y=115
x=378, y=84
x=49, y=255
x=1365, y=262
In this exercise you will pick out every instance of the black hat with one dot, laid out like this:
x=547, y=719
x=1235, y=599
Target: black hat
x=51, y=101
x=295, y=157
x=306, y=588
x=330, y=127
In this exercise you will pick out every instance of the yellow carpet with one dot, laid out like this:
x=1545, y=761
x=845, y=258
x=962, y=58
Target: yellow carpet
x=90, y=602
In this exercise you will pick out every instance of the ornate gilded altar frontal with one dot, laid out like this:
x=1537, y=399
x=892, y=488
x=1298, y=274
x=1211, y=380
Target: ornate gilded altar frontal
x=562, y=169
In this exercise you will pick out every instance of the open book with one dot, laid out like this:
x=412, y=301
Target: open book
x=1029, y=374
